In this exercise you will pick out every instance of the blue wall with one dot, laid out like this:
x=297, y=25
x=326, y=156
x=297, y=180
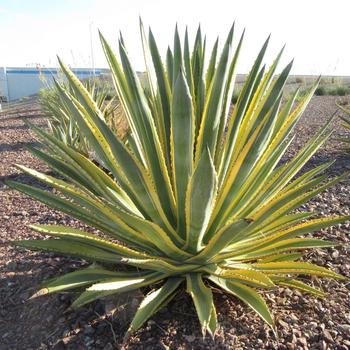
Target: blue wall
x=20, y=82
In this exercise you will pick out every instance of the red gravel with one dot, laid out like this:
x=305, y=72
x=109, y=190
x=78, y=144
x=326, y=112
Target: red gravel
x=304, y=322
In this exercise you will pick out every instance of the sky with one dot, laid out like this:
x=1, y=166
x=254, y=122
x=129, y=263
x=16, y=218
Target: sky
x=316, y=32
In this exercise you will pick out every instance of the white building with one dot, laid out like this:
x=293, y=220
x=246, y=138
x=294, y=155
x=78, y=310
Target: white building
x=18, y=82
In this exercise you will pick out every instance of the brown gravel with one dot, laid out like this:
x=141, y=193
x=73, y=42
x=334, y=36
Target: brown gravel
x=303, y=322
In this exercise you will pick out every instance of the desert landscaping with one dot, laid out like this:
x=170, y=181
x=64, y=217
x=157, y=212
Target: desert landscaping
x=303, y=321
x=174, y=175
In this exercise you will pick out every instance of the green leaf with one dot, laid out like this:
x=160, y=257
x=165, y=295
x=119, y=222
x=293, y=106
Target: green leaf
x=69, y=233
x=291, y=267
x=281, y=257
x=197, y=66
x=187, y=64
x=170, y=66
x=65, y=206
x=212, y=64
x=163, y=85
x=227, y=100
x=70, y=248
x=248, y=296
x=177, y=60
x=250, y=277
x=116, y=286
x=209, y=126
x=182, y=139
x=76, y=279
x=213, y=323
x=125, y=284
x=288, y=282
x=200, y=199
x=239, y=111
x=203, y=300
x=153, y=301
x=285, y=246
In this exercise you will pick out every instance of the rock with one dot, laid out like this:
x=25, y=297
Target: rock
x=25, y=295
x=108, y=346
x=293, y=318
x=190, y=338
x=290, y=346
x=302, y=341
x=344, y=328
x=283, y=324
x=163, y=346
x=65, y=333
x=88, y=341
x=294, y=339
x=313, y=325
x=335, y=254
x=327, y=336
x=125, y=305
x=89, y=329
x=323, y=345
x=59, y=346
x=297, y=333
x=12, y=265
x=66, y=340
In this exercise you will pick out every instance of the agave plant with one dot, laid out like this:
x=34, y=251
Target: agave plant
x=61, y=125
x=197, y=196
x=346, y=124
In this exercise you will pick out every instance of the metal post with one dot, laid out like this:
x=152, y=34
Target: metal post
x=92, y=50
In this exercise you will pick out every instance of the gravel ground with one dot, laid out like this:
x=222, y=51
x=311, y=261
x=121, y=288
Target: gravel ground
x=303, y=322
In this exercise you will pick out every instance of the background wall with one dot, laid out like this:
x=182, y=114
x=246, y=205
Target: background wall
x=16, y=82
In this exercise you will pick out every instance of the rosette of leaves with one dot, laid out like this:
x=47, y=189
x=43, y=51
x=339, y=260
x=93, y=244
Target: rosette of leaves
x=197, y=196
x=60, y=123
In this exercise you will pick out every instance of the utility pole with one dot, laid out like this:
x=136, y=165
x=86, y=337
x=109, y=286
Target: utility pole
x=92, y=50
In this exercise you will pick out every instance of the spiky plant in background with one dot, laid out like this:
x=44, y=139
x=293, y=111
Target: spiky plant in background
x=346, y=124
x=198, y=196
x=62, y=126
